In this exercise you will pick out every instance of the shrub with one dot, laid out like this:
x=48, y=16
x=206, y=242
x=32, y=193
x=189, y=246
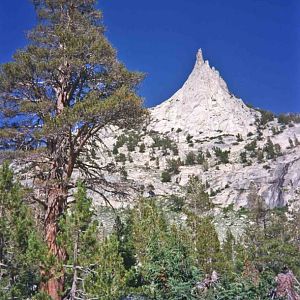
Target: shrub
x=190, y=159
x=173, y=165
x=239, y=137
x=251, y=146
x=165, y=176
x=142, y=148
x=266, y=116
x=288, y=118
x=121, y=158
x=223, y=156
x=208, y=155
x=115, y=150
x=200, y=158
x=243, y=156
x=176, y=203
x=189, y=139
x=164, y=143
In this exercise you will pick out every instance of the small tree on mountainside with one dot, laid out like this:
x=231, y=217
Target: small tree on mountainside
x=173, y=165
x=55, y=96
x=270, y=150
x=190, y=159
x=197, y=198
x=166, y=176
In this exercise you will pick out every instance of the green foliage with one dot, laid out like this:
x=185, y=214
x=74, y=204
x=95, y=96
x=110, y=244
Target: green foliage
x=251, y=146
x=164, y=143
x=165, y=176
x=22, y=250
x=288, y=118
x=197, y=198
x=142, y=148
x=75, y=79
x=291, y=142
x=200, y=158
x=208, y=155
x=173, y=165
x=189, y=139
x=272, y=151
x=56, y=94
x=239, y=137
x=176, y=203
x=165, y=264
x=275, y=130
x=190, y=159
x=108, y=280
x=130, y=139
x=223, y=156
x=148, y=253
x=266, y=117
x=121, y=158
x=243, y=156
x=95, y=260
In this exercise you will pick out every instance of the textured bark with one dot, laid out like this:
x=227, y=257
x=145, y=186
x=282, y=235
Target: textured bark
x=54, y=285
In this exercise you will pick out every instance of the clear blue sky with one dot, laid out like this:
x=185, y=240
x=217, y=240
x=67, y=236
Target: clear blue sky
x=255, y=44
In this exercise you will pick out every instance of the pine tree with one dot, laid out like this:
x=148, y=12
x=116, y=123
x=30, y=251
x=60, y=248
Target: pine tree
x=162, y=252
x=198, y=200
x=270, y=149
x=21, y=246
x=206, y=244
x=95, y=267
x=55, y=96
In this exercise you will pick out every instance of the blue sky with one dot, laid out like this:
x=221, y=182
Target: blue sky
x=255, y=44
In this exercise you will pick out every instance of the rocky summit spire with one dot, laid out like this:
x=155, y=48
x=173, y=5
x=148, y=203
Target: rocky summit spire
x=203, y=104
x=199, y=57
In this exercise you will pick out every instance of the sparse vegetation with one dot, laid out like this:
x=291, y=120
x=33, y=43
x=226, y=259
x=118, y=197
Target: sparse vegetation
x=288, y=118
x=121, y=158
x=164, y=143
x=173, y=165
x=223, y=156
x=190, y=159
x=165, y=176
x=239, y=137
x=266, y=117
x=142, y=148
x=272, y=151
x=251, y=146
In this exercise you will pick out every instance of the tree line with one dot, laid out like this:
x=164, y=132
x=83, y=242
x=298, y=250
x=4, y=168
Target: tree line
x=148, y=254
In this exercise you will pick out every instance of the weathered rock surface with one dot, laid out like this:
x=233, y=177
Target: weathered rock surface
x=201, y=117
x=203, y=104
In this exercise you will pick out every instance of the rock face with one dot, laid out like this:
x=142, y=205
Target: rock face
x=203, y=104
x=234, y=150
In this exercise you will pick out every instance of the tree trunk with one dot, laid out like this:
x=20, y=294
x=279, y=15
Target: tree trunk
x=54, y=284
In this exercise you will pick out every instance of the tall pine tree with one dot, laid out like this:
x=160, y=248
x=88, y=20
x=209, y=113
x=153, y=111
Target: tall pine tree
x=55, y=96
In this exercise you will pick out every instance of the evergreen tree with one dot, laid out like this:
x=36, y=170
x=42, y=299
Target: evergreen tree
x=197, y=199
x=163, y=254
x=21, y=246
x=55, y=96
x=94, y=267
x=206, y=245
x=270, y=149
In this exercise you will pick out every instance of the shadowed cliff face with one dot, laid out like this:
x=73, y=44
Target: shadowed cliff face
x=203, y=104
